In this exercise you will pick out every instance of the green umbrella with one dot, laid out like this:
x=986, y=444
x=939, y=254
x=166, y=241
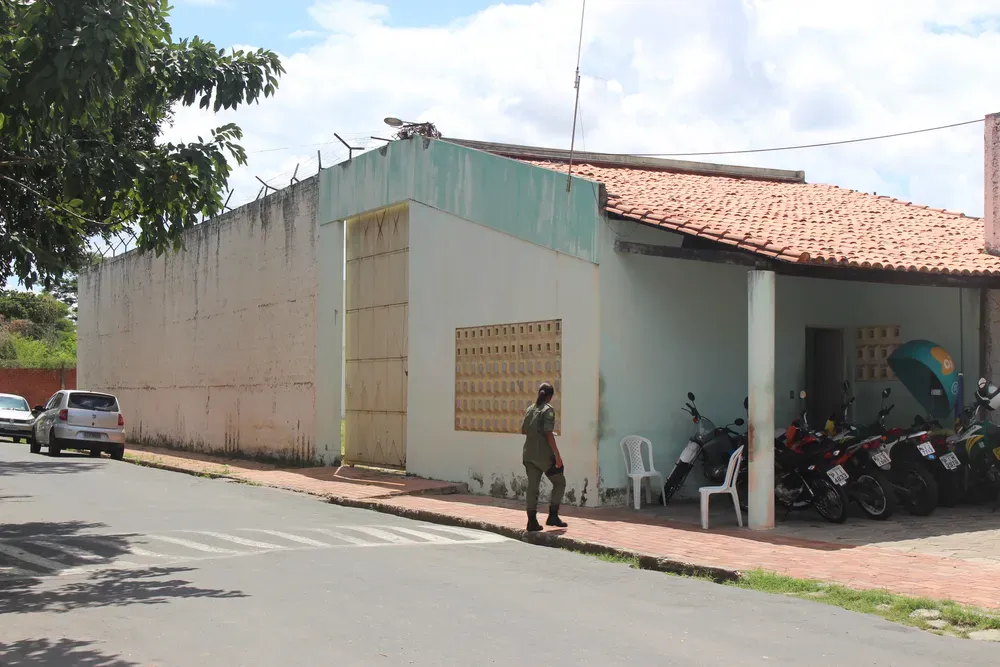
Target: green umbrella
x=928, y=372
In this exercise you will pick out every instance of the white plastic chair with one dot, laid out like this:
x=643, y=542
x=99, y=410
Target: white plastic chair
x=728, y=486
x=635, y=468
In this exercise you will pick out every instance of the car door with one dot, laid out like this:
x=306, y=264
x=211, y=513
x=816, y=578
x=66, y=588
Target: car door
x=45, y=420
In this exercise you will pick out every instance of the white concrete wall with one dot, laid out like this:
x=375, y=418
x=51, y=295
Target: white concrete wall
x=214, y=348
x=463, y=274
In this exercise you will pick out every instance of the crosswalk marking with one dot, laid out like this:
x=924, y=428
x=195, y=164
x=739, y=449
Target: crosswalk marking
x=428, y=537
x=382, y=534
x=28, y=557
x=237, y=540
x=130, y=548
x=350, y=539
x=465, y=532
x=69, y=550
x=190, y=544
x=291, y=538
x=11, y=571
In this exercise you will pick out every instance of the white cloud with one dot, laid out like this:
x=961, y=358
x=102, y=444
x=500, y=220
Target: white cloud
x=304, y=34
x=658, y=77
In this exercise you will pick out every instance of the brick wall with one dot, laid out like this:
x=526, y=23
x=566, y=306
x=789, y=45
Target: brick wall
x=36, y=384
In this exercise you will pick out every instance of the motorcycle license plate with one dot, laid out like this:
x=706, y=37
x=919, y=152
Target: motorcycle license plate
x=925, y=448
x=950, y=461
x=838, y=475
x=881, y=459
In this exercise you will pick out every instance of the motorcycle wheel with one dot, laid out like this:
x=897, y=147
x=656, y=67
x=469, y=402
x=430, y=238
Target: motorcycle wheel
x=876, y=497
x=676, y=480
x=830, y=500
x=921, y=489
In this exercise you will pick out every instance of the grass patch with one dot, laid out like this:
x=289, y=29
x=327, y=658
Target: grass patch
x=620, y=559
x=960, y=619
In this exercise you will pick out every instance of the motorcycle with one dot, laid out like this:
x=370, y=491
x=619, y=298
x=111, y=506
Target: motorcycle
x=707, y=435
x=869, y=487
x=883, y=477
x=929, y=373
x=977, y=445
x=805, y=475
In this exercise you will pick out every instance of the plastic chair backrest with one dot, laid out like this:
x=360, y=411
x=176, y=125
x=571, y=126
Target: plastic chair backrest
x=734, y=464
x=632, y=451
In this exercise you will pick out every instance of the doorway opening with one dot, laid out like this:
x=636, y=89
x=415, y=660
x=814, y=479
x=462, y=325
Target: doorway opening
x=825, y=373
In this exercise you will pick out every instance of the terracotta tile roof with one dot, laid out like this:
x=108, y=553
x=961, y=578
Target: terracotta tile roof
x=796, y=222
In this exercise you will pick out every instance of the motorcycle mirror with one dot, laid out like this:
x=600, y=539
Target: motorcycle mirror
x=886, y=392
x=746, y=403
x=690, y=396
x=802, y=394
x=739, y=422
x=847, y=387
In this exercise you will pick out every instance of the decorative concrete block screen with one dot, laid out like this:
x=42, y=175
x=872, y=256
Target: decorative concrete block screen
x=873, y=347
x=497, y=372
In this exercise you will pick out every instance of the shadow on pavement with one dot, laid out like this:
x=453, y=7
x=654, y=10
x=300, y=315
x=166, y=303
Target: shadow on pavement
x=48, y=466
x=49, y=529
x=57, y=653
x=106, y=588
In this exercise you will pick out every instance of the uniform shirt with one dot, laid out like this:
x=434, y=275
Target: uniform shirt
x=537, y=422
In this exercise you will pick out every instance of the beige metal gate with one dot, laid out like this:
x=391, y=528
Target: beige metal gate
x=378, y=247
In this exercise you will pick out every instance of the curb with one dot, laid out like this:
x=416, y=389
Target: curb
x=171, y=468
x=543, y=539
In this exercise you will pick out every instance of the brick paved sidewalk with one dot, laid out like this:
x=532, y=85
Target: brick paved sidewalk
x=340, y=482
x=679, y=546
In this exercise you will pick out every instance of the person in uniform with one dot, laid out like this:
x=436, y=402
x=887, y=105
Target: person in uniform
x=541, y=457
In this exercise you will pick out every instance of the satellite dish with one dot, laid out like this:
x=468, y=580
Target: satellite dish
x=393, y=122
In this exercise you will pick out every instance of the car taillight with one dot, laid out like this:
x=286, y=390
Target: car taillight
x=63, y=415
x=121, y=419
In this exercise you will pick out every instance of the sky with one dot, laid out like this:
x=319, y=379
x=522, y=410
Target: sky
x=658, y=76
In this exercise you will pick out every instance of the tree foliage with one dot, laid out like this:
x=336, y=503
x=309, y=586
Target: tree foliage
x=85, y=88
x=36, y=330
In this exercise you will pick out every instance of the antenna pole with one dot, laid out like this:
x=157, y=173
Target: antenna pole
x=576, y=101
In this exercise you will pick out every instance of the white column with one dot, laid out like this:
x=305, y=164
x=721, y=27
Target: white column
x=760, y=347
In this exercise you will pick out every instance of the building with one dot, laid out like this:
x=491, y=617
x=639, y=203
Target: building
x=475, y=271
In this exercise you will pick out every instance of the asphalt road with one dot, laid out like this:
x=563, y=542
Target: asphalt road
x=106, y=564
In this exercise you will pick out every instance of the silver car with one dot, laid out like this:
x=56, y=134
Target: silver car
x=15, y=417
x=80, y=420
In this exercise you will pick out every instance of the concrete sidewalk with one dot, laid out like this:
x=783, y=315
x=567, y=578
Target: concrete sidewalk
x=664, y=543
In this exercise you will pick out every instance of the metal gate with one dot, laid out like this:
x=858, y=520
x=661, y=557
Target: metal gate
x=375, y=328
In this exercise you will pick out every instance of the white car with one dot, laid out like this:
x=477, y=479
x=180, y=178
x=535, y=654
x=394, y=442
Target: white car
x=15, y=417
x=80, y=420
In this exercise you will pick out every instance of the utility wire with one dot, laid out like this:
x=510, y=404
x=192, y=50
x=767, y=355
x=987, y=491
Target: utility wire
x=825, y=143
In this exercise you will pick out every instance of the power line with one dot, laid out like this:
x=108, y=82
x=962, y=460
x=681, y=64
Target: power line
x=825, y=143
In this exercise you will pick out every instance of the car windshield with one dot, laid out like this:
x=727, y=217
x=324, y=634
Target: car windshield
x=15, y=403
x=96, y=402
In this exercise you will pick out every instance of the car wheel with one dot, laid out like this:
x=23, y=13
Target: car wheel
x=17, y=441
x=118, y=454
x=33, y=445
x=95, y=453
x=54, y=450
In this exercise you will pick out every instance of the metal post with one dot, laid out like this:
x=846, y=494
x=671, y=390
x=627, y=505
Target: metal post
x=760, y=348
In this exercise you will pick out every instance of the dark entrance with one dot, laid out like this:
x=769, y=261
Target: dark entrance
x=825, y=373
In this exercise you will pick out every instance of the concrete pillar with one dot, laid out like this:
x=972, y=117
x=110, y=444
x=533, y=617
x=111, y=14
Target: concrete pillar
x=760, y=347
x=991, y=183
